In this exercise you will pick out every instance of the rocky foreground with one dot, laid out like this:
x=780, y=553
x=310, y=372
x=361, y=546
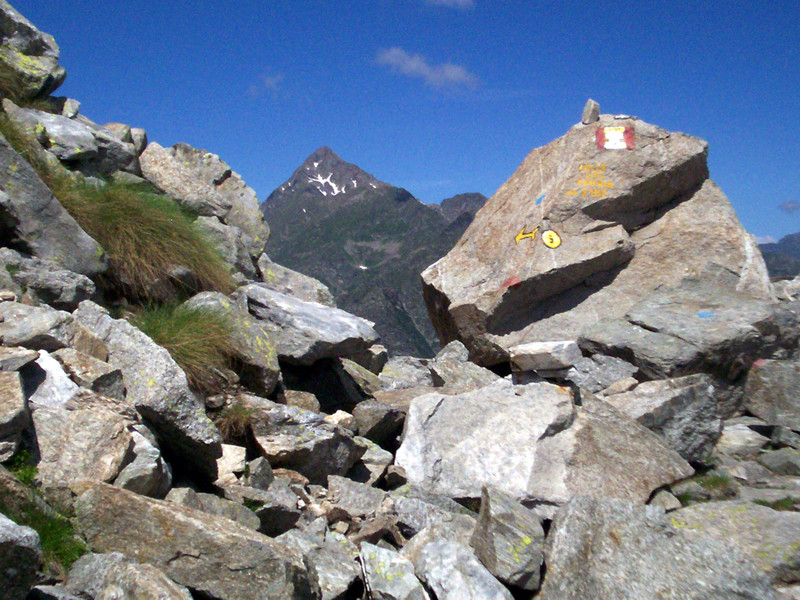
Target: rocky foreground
x=637, y=437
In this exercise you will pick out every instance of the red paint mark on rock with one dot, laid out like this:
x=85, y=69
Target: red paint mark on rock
x=511, y=282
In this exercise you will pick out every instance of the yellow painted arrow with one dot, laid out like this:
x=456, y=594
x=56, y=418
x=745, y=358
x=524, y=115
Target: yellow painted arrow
x=522, y=235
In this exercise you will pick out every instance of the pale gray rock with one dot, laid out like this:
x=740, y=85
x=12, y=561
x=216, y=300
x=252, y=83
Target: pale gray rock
x=214, y=505
x=458, y=528
x=88, y=372
x=683, y=411
x=451, y=369
x=771, y=392
x=230, y=243
x=304, y=332
x=665, y=500
x=39, y=222
x=405, y=372
x=389, y=576
x=509, y=540
x=768, y=537
x=14, y=415
x=784, y=436
x=51, y=592
x=20, y=557
x=417, y=509
x=255, y=348
x=703, y=323
x=453, y=573
x=591, y=112
x=599, y=372
x=113, y=576
x=13, y=359
x=28, y=55
x=301, y=440
x=359, y=382
x=291, y=283
x=148, y=474
x=356, y=500
x=157, y=387
x=233, y=462
x=211, y=555
x=301, y=399
x=276, y=507
x=373, y=463
x=377, y=421
x=51, y=284
x=258, y=474
x=612, y=549
x=34, y=327
x=785, y=461
x=332, y=571
x=545, y=356
x=121, y=131
x=53, y=387
x=738, y=440
x=87, y=439
x=139, y=139
x=533, y=443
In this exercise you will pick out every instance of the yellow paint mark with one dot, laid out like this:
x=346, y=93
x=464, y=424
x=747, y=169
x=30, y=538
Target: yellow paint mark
x=522, y=235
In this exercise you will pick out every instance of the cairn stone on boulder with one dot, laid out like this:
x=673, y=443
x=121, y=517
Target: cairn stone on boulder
x=29, y=56
x=582, y=232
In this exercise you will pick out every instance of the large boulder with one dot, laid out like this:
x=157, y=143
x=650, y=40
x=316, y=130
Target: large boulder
x=533, y=443
x=771, y=392
x=611, y=549
x=32, y=219
x=304, y=332
x=211, y=555
x=581, y=233
x=158, y=388
x=20, y=558
x=28, y=57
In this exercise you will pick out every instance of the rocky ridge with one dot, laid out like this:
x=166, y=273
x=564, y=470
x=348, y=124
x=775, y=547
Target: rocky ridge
x=656, y=456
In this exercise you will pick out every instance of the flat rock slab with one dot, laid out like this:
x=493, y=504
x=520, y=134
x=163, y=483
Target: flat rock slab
x=771, y=392
x=291, y=283
x=545, y=356
x=390, y=576
x=158, y=389
x=534, y=444
x=612, y=549
x=768, y=537
x=210, y=555
x=304, y=332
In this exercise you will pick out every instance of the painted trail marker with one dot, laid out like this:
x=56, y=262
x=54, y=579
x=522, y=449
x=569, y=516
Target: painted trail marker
x=551, y=239
x=522, y=235
x=615, y=138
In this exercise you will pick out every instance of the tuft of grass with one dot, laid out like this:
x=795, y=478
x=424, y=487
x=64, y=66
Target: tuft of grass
x=234, y=420
x=714, y=481
x=145, y=234
x=198, y=339
x=23, y=467
x=782, y=504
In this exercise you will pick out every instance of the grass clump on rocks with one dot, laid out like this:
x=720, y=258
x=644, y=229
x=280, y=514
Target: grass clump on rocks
x=233, y=421
x=198, y=340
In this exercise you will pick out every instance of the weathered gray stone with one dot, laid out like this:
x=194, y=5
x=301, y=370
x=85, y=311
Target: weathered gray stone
x=304, y=332
x=611, y=549
x=255, y=348
x=785, y=461
x=301, y=399
x=373, y=358
x=208, y=554
x=214, y=505
x=701, y=324
x=771, y=392
x=14, y=415
x=53, y=387
x=28, y=55
x=451, y=370
x=359, y=382
x=417, y=509
x=291, y=283
x=276, y=507
x=332, y=571
x=739, y=441
x=545, y=356
x=13, y=359
x=157, y=387
x=591, y=112
x=51, y=284
x=258, y=474
x=509, y=540
x=599, y=372
x=458, y=528
x=355, y=499
x=51, y=592
x=665, y=500
x=233, y=462
x=88, y=372
x=148, y=474
x=139, y=139
x=453, y=573
x=121, y=131
x=531, y=442
x=230, y=243
x=389, y=576
x=768, y=537
x=20, y=557
x=373, y=463
x=34, y=327
x=683, y=411
x=113, y=576
x=404, y=372
x=377, y=421
x=301, y=440
x=85, y=440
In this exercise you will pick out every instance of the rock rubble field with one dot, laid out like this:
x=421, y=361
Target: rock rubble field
x=614, y=415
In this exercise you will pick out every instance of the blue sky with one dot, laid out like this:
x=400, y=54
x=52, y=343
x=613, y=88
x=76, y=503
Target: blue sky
x=442, y=96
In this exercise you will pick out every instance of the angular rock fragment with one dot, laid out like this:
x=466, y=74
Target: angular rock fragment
x=771, y=392
x=291, y=283
x=50, y=283
x=276, y=507
x=214, y=505
x=148, y=474
x=599, y=372
x=48, y=385
x=14, y=415
x=20, y=557
x=88, y=372
x=229, y=242
x=403, y=372
x=389, y=576
x=545, y=356
x=417, y=509
x=332, y=571
x=34, y=327
x=377, y=421
x=13, y=358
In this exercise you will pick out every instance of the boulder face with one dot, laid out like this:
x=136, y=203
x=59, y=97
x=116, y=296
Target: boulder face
x=583, y=231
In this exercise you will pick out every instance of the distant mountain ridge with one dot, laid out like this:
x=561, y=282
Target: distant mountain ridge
x=368, y=241
x=783, y=257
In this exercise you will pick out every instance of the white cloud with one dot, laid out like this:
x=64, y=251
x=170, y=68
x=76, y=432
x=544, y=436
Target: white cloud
x=765, y=239
x=416, y=65
x=790, y=206
x=266, y=83
x=452, y=3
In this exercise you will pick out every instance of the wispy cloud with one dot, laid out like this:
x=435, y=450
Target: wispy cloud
x=765, y=239
x=790, y=206
x=452, y=3
x=265, y=82
x=417, y=66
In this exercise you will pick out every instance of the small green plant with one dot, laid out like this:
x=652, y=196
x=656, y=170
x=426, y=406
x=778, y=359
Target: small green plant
x=198, y=340
x=782, y=504
x=253, y=505
x=714, y=481
x=23, y=467
x=234, y=420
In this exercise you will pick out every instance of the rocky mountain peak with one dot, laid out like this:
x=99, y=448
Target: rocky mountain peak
x=324, y=174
